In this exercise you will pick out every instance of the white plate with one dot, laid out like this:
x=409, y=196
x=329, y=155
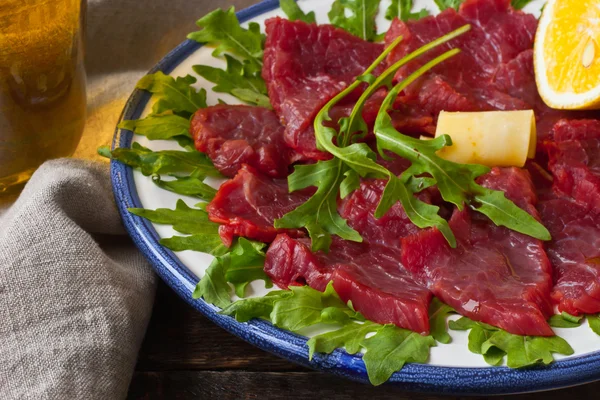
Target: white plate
x=138, y=191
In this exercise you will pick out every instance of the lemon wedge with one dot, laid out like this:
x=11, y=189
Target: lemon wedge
x=567, y=54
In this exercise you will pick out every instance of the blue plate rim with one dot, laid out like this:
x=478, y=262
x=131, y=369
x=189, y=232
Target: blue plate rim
x=413, y=377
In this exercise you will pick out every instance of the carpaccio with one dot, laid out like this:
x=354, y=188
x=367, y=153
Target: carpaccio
x=495, y=275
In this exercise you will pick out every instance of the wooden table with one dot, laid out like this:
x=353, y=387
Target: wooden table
x=185, y=356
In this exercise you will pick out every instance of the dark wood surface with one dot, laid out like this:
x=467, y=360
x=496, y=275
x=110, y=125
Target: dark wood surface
x=185, y=356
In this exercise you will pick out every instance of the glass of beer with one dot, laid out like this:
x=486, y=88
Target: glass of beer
x=42, y=84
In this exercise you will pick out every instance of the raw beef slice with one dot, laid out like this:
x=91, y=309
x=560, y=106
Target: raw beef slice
x=496, y=54
x=574, y=160
x=369, y=276
x=236, y=135
x=248, y=204
x=495, y=275
x=305, y=65
x=572, y=214
x=359, y=209
x=575, y=254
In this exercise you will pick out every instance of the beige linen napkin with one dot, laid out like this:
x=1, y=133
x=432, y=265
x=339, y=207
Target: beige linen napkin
x=75, y=294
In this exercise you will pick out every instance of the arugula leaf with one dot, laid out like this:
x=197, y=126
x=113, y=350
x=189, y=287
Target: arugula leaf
x=594, y=321
x=209, y=243
x=250, y=96
x=403, y=10
x=176, y=101
x=438, y=314
x=361, y=158
x=295, y=13
x=213, y=286
x=519, y=4
x=242, y=76
x=183, y=218
x=242, y=265
x=350, y=183
x=361, y=22
x=444, y=4
x=222, y=29
x=355, y=123
x=456, y=182
x=477, y=337
x=308, y=306
x=193, y=221
x=350, y=337
x=319, y=214
x=256, y=307
x=521, y=351
x=391, y=348
x=299, y=307
x=158, y=126
x=246, y=264
x=386, y=352
x=163, y=161
x=565, y=320
x=186, y=142
x=192, y=185
x=173, y=94
x=464, y=324
x=237, y=80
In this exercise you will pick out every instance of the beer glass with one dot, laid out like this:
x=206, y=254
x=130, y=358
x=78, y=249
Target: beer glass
x=42, y=84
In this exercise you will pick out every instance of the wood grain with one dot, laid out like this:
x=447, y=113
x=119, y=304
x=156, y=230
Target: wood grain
x=180, y=338
x=235, y=385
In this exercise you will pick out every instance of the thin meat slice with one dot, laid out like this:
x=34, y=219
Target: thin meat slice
x=517, y=79
x=418, y=33
x=368, y=276
x=248, y=205
x=575, y=166
x=359, y=209
x=494, y=70
x=237, y=134
x=574, y=160
x=435, y=94
x=382, y=290
x=496, y=53
x=290, y=262
x=572, y=214
x=575, y=254
x=498, y=35
x=495, y=275
x=412, y=122
x=508, y=32
x=305, y=65
x=576, y=129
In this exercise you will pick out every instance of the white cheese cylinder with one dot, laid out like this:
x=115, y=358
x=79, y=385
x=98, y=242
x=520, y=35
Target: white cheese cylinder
x=492, y=138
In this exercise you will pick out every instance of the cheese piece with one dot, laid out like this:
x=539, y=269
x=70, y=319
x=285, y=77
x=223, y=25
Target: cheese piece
x=492, y=138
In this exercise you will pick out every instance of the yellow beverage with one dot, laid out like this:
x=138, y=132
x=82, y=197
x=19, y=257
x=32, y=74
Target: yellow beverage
x=42, y=84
